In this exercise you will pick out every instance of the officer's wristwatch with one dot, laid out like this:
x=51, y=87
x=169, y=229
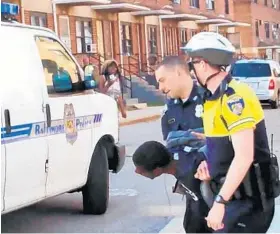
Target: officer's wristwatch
x=220, y=199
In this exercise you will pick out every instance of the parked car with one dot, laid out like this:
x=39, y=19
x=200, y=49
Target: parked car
x=263, y=76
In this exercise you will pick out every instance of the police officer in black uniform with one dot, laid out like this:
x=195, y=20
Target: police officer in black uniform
x=183, y=111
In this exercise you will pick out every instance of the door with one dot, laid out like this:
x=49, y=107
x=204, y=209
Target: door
x=3, y=167
x=70, y=136
x=64, y=31
x=100, y=39
x=21, y=96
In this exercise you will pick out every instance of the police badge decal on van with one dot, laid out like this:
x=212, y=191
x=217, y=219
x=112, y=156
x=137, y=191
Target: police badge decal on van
x=70, y=123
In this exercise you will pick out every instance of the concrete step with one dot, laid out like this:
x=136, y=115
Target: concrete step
x=146, y=85
x=140, y=105
x=138, y=80
x=126, y=96
x=131, y=101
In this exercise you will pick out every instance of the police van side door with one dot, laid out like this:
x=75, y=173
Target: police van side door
x=21, y=97
x=69, y=137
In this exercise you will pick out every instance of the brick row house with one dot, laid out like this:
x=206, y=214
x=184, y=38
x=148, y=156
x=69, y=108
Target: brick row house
x=137, y=33
x=263, y=37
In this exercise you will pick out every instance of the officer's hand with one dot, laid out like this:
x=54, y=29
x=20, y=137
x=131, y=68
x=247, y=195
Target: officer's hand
x=198, y=135
x=202, y=172
x=215, y=216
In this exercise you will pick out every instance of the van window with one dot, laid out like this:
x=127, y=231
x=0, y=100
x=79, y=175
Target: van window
x=61, y=72
x=251, y=70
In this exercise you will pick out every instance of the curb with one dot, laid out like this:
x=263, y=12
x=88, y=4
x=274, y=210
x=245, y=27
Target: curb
x=140, y=120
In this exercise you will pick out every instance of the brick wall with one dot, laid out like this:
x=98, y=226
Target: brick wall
x=107, y=39
x=219, y=8
x=116, y=43
x=72, y=23
x=27, y=18
x=143, y=45
x=242, y=12
x=265, y=14
x=50, y=22
x=248, y=12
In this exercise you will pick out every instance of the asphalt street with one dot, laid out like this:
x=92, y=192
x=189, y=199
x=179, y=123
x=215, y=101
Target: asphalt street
x=137, y=205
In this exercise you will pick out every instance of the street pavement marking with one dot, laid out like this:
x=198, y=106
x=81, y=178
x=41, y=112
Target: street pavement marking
x=176, y=224
x=123, y=192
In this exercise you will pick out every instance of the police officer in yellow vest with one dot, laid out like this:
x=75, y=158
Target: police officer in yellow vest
x=239, y=166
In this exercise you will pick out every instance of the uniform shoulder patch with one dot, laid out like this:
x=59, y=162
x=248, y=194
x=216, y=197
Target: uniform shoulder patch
x=236, y=104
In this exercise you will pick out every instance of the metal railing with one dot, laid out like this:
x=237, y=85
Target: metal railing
x=133, y=68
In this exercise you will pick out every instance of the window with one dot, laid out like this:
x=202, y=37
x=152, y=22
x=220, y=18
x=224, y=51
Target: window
x=126, y=39
x=194, y=3
x=184, y=37
x=152, y=39
x=193, y=32
x=255, y=1
x=83, y=36
x=226, y=7
x=251, y=70
x=60, y=70
x=266, y=28
x=257, y=28
x=38, y=19
x=265, y=2
x=64, y=31
x=273, y=4
x=275, y=31
x=210, y=4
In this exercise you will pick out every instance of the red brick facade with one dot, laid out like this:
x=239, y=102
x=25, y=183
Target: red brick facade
x=258, y=14
x=170, y=35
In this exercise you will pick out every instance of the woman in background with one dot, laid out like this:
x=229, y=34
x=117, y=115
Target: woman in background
x=112, y=83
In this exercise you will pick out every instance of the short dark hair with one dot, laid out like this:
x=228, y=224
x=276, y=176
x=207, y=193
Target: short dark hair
x=151, y=155
x=172, y=61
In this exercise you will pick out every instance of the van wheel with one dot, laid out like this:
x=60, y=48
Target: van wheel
x=275, y=104
x=96, y=191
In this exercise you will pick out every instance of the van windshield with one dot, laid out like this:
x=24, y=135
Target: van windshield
x=251, y=70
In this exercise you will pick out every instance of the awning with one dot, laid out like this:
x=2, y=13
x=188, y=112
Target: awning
x=82, y=2
x=120, y=7
x=265, y=45
x=152, y=12
x=233, y=24
x=183, y=17
x=270, y=47
x=213, y=21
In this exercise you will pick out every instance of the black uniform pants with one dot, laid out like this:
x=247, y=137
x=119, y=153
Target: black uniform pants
x=253, y=221
x=194, y=219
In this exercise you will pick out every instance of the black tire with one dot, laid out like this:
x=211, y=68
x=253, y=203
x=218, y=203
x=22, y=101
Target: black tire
x=275, y=104
x=96, y=191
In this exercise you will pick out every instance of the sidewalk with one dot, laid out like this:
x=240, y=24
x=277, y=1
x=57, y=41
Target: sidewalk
x=143, y=115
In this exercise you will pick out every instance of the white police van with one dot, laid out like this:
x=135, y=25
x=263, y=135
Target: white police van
x=58, y=135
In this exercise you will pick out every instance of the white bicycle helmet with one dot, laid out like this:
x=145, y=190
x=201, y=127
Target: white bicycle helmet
x=213, y=47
